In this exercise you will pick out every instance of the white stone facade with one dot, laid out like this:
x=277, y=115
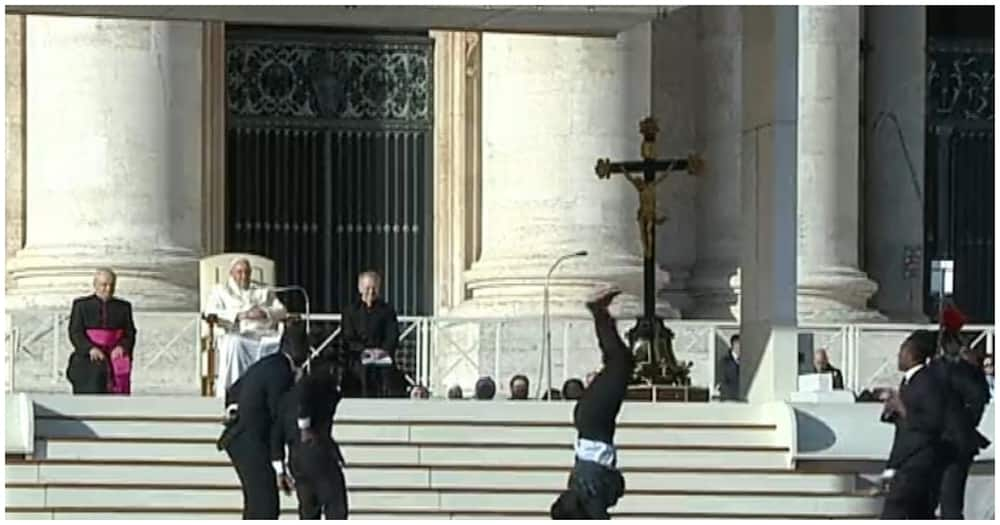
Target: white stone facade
x=114, y=152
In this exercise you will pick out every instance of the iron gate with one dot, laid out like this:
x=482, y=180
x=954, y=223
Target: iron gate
x=328, y=161
x=959, y=204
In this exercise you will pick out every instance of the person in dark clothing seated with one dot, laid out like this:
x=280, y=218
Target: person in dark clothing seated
x=519, y=387
x=253, y=436
x=102, y=332
x=821, y=365
x=967, y=394
x=572, y=389
x=371, y=334
x=315, y=460
x=918, y=412
x=595, y=483
x=485, y=388
x=729, y=388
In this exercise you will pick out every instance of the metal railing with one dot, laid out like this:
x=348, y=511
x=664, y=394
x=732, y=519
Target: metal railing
x=438, y=352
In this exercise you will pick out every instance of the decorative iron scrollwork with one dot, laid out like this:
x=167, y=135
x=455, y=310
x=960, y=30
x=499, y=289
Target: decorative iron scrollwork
x=343, y=80
x=960, y=81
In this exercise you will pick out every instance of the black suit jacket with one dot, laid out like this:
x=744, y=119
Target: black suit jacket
x=917, y=441
x=730, y=387
x=91, y=312
x=259, y=393
x=967, y=393
x=375, y=327
x=307, y=399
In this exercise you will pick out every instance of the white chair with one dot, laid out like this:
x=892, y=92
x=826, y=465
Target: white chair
x=214, y=270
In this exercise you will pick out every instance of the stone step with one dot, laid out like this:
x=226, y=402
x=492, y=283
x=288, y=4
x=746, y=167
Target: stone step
x=347, y=433
x=405, y=410
x=141, y=498
x=435, y=478
x=430, y=455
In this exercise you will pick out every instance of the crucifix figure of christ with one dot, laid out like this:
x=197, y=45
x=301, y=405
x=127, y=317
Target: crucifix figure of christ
x=660, y=365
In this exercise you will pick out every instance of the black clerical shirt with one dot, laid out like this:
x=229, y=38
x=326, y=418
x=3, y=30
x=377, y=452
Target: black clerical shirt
x=375, y=327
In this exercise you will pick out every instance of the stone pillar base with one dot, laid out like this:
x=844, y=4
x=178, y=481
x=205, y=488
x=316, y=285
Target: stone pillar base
x=836, y=295
x=715, y=291
x=52, y=278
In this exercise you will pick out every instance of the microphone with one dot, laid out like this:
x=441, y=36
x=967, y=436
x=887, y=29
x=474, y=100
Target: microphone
x=581, y=253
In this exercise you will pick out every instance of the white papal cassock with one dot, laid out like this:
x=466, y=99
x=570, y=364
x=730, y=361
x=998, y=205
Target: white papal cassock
x=245, y=341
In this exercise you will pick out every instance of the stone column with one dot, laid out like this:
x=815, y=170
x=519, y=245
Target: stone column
x=831, y=286
x=715, y=283
x=551, y=107
x=895, y=101
x=114, y=161
x=457, y=174
x=14, y=117
x=675, y=57
x=768, y=326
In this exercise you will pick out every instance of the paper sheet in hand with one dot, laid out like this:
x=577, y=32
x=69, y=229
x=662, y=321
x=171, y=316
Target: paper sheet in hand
x=373, y=357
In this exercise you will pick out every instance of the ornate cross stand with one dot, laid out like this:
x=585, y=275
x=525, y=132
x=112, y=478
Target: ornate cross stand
x=650, y=338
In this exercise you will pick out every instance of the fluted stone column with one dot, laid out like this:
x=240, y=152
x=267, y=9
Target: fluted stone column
x=715, y=283
x=831, y=286
x=113, y=159
x=551, y=107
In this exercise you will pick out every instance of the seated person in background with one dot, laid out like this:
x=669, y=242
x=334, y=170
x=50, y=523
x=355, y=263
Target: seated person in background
x=485, y=389
x=371, y=334
x=519, y=387
x=455, y=392
x=419, y=392
x=102, y=333
x=821, y=365
x=572, y=389
x=250, y=315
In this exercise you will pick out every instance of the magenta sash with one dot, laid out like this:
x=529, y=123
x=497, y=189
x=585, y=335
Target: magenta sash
x=120, y=376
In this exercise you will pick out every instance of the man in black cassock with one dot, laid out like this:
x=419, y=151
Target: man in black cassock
x=253, y=437
x=101, y=330
x=918, y=412
x=314, y=456
x=371, y=334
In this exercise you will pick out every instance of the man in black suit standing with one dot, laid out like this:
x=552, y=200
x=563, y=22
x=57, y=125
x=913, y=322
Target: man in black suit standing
x=314, y=456
x=967, y=395
x=253, y=434
x=918, y=412
x=729, y=388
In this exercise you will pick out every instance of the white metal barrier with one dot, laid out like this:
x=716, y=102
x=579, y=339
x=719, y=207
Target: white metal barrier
x=452, y=350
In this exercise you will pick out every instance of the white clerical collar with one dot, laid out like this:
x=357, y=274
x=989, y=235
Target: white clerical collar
x=908, y=375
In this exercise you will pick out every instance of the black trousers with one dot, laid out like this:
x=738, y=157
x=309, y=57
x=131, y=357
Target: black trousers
x=950, y=492
x=911, y=494
x=319, y=481
x=375, y=380
x=86, y=376
x=595, y=413
x=257, y=478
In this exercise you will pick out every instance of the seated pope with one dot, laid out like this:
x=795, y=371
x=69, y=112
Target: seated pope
x=250, y=316
x=102, y=332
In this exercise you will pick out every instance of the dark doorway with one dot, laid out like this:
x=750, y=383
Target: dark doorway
x=328, y=160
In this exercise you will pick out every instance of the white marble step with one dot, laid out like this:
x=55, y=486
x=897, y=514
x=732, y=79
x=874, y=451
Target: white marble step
x=424, y=455
x=460, y=502
x=433, y=478
x=419, y=433
x=418, y=410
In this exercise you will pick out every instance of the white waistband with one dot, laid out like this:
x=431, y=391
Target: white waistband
x=596, y=451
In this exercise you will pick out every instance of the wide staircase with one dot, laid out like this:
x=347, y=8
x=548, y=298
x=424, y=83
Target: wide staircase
x=155, y=458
